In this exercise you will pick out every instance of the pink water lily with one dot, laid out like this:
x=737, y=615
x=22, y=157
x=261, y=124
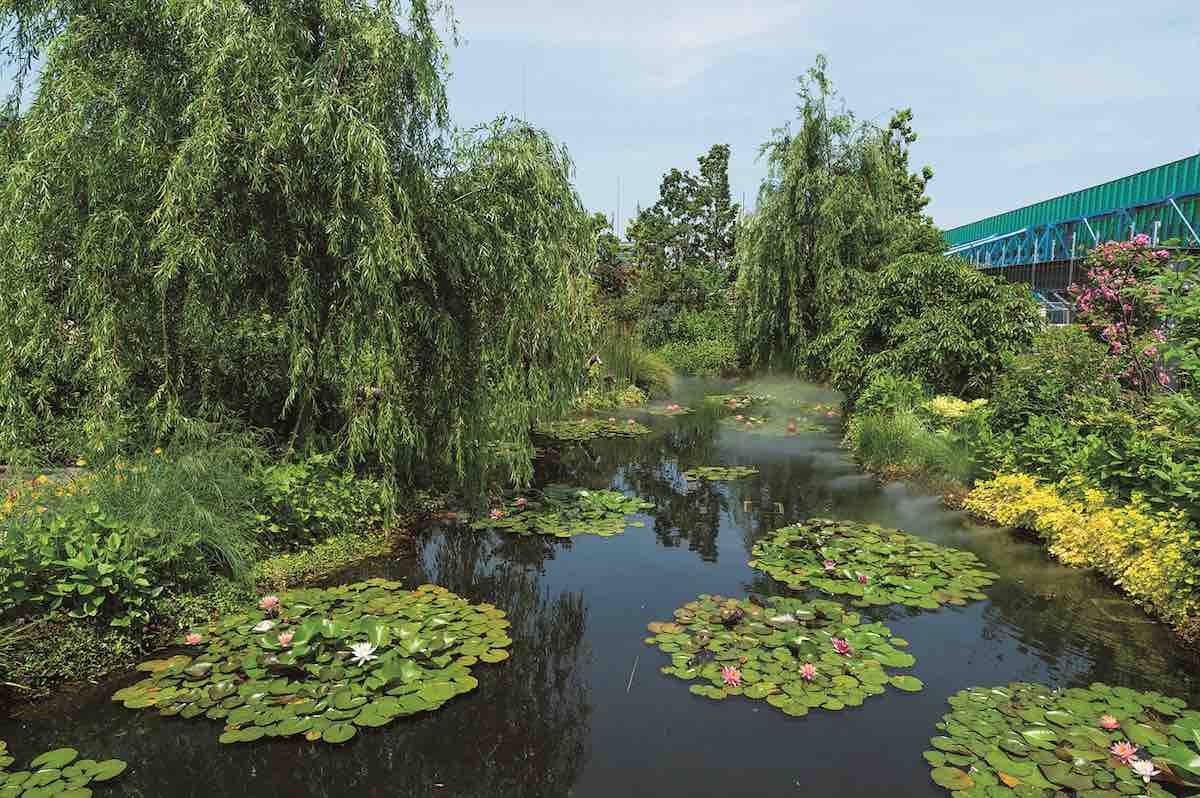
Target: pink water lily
x=1124, y=751
x=863, y=579
x=1109, y=722
x=497, y=513
x=808, y=671
x=732, y=676
x=193, y=639
x=521, y=502
x=269, y=603
x=841, y=646
x=739, y=418
x=829, y=565
x=285, y=638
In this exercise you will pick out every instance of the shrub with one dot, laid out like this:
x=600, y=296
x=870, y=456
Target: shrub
x=884, y=441
x=315, y=498
x=708, y=357
x=629, y=362
x=890, y=392
x=1064, y=374
x=1151, y=554
x=106, y=543
x=935, y=319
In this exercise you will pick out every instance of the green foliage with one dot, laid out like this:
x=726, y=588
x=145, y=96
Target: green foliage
x=703, y=342
x=837, y=203
x=932, y=318
x=279, y=183
x=314, y=498
x=1028, y=740
x=105, y=545
x=58, y=773
x=718, y=473
x=1062, y=375
x=1178, y=291
x=39, y=655
x=322, y=663
x=586, y=429
x=887, y=441
x=611, y=273
x=888, y=392
x=626, y=360
x=872, y=565
x=796, y=655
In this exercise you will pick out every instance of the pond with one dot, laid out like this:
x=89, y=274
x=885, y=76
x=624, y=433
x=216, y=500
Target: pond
x=581, y=707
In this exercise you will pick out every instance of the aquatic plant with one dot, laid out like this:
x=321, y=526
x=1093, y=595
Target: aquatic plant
x=563, y=511
x=587, y=429
x=718, y=473
x=795, y=655
x=735, y=402
x=870, y=563
x=1028, y=740
x=671, y=410
x=55, y=774
x=359, y=655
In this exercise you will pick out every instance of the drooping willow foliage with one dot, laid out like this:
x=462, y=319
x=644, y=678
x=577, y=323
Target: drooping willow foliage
x=837, y=203
x=250, y=212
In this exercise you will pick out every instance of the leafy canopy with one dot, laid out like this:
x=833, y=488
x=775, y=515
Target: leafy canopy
x=220, y=210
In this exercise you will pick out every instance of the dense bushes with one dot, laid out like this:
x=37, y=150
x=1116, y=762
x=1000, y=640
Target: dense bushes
x=1151, y=554
x=931, y=318
x=702, y=342
x=315, y=498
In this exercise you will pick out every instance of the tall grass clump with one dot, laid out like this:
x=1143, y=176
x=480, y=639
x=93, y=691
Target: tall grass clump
x=891, y=441
x=626, y=359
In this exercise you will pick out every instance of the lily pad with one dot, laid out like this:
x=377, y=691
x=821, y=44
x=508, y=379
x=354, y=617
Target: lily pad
x=587, y=429
x=1028, y=740
x=870, y=564
x=718, y=473
x=563, y=511
x=353, y=655
x=57, y=773
x=795, y=655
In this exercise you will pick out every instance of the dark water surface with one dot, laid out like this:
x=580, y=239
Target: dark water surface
x=562, y=716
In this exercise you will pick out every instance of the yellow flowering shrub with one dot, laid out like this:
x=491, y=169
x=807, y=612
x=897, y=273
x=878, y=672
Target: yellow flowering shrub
x=951, y=407
x=1148, y=554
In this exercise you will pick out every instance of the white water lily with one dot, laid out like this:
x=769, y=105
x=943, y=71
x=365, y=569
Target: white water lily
x=264, y=626
x=1144, y=768
x=362, y=653
x=785, y=618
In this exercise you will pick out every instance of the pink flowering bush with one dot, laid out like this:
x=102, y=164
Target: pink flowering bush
x=1121, y=305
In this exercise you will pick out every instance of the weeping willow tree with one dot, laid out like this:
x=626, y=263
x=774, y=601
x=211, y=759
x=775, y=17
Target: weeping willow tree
x=838, y=202
x=250, y=212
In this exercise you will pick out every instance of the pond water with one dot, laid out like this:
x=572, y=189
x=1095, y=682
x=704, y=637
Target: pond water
x=581, y=709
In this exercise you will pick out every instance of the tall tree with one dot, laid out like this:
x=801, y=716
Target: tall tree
x=837, y=199
x=250, y=209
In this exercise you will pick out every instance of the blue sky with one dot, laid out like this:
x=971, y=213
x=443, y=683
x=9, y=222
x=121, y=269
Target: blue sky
x=1014, y=101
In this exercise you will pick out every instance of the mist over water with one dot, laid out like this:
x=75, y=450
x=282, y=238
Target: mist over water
x=581, y=709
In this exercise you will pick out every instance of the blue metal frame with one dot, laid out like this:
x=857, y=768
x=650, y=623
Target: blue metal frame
x=1046, y=243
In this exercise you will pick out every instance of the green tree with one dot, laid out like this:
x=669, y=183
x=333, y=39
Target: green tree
x=838, y=203
x=250, y=211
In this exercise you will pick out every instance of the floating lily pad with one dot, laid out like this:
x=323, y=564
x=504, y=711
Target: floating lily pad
x=670, y=410
x=55, y=774
x=1028, y=740
x=731, y=402
x=871, y=564
x=361, y=654
x=562, y=511
x=795, y=655
x=718, y=473
x=587, y=429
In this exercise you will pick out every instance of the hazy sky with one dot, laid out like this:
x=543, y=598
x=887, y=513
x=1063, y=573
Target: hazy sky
x=1014, y=101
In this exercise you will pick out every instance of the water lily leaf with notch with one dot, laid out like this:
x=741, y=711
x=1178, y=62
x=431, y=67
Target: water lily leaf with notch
x=564, y=511
x=407, y=641
x=1028, y=740
x=769, y=646
x=871, y=564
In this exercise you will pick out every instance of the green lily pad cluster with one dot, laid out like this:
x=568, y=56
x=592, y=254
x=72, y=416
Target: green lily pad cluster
x=322, y=663
x=1028, y=740
x=587, y=429
x=872, y=564
x=55, y=774
x=562, y=511
x=718, y=473
x=733, y=402
x=670, y=410
x=795, y=655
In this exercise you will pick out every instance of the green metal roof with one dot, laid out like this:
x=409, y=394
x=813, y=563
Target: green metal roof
x=1152, y=187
